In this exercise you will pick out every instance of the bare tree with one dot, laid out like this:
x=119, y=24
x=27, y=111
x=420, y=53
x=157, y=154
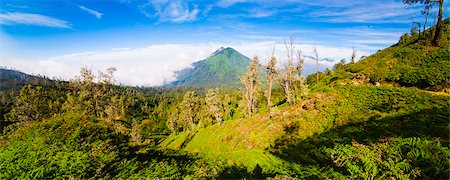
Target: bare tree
x=437, y=34
x=316, y=57
x=426, y=12
x=107, y=77
x=352, y=60
x=289, y=76
x=271, y=74
x=416, y=28
x=250, y=80
x=299, y=69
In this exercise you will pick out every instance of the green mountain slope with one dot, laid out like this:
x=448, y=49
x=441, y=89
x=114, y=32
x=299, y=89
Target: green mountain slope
x=413, y=61
x=223, y=68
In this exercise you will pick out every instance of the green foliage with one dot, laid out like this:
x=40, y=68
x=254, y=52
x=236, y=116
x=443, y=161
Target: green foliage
x=300, y=140
x=75, y=146
x=404, y=38
x=399, y=158
x=63, y=147
x=32, y=104
x=214, y=104
x=413, y=61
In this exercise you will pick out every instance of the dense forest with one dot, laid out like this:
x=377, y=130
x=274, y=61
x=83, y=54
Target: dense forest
x=384, y=116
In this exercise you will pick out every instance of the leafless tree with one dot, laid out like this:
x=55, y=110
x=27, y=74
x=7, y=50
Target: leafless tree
x=316, y=57
x=437, y=34
x=250, y=80
x=289, y=76
x=271, y=74
x=352, y=60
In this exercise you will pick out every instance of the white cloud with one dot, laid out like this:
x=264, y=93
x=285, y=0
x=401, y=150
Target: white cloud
x=32, y=19
x=176, y=11
x=156, y=65
x=97, y=14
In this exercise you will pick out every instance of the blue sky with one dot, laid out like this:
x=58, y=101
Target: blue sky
x=148, y=40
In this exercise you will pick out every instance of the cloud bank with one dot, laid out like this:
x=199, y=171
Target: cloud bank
x=156, y=65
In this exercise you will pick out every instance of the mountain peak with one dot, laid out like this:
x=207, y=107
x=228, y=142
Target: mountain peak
x=222, y=68
x=222, y=49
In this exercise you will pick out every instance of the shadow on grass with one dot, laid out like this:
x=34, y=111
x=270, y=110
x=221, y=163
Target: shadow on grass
x=431, y=124
x=238, y=172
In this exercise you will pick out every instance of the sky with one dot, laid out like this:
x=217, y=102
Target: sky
x=148, y=41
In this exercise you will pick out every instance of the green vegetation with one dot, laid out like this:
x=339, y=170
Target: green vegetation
x=372, y=119
x=411, y=62
x=330, y=124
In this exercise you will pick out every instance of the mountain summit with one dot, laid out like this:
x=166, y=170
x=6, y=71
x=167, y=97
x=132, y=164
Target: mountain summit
x=222, y=68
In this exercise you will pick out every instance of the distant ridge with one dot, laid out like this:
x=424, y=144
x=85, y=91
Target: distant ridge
x=14, y=79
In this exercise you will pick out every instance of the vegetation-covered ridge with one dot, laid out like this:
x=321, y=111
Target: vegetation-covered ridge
x=13, y=79
x=414, y=62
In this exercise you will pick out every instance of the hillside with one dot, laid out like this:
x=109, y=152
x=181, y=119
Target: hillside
x=346, y=127
x=304, y=140
x=412, y=62
x=223, y=68
x=13, y=79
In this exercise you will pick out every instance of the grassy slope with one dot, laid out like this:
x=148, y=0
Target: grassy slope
x=297, y=140
x=249, y=142
x=411, y=63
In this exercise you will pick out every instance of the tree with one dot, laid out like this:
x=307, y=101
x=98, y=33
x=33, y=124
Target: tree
x=415, y=30
x=316, y=57
x=32, y=104
x=188, y=107
x=426, y=12
x=404, y=38
x=352, y=60
x=250, y=80
x=437, y=34
x=95, y=93
x=136, y=132
x=339, y=65
x=107, y=77
x=214, y=104
x=299, y=70
x=173, y=120
x=271, y=74
x=290, y=71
